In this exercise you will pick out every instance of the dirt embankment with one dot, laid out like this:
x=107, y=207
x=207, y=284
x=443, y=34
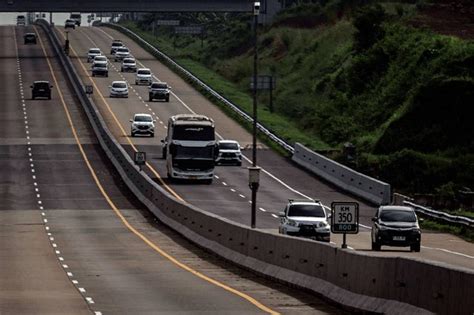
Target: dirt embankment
x=448, y=17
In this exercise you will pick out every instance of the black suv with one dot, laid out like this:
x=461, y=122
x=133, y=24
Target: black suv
x=30, y=38
x=41, y=89
x=396, y=226
x=160, y=91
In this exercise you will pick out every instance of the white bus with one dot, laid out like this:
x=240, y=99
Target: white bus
x=190, y=147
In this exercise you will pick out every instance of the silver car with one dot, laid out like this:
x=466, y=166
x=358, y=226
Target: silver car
x=306, y=218
x=129, y=64
x=142, y=124
x=121, y=53
x=143, y=76
x=92, y=53
x=229, y=152
x=119, y=89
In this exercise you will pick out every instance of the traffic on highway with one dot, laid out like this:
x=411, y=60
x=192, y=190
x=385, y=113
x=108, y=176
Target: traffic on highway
x=78, y=238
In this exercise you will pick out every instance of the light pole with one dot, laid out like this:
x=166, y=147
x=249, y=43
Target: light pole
x=254, y=170
x=66, y=44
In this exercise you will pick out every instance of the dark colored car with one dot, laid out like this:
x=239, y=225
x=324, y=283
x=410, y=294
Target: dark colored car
x=30, y=38
x=41, y=89
x=159, y=91
x=396, y=226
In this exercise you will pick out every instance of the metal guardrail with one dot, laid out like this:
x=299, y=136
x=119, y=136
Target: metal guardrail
x=205, y=87
x=440, y=215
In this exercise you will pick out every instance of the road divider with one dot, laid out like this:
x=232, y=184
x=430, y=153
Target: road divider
x=355, y=280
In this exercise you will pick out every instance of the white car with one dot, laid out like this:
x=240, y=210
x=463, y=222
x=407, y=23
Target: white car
x=306, y=218
x=121, y=53
x=142, y=124
x=129, y=64
x=229, y=152
x=116, y=44
x=119, y=89
x=100, y=59
x=143, y=76
x=93, y=52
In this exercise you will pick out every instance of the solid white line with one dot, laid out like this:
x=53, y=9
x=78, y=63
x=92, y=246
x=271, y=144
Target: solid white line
x=449, y=252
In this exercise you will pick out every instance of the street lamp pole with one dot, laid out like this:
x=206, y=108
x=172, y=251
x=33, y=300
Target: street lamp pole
x=254, y=170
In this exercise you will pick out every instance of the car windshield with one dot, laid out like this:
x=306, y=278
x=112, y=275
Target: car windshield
x=117, y=44
x=131, y=61
x=119, y=85
x=197, y=133
x=75, y=16
x=144, y=72
x=100, y=65
x=397, y=216
x=159, y=86
x=123, y=50
x=228, y=146
x=100, y=58
x=94, y=51
x=41, y=85
x=306, y=211
x=143, y=118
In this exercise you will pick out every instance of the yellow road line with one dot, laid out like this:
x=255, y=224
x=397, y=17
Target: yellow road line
x=124, y=133
x=124, y=220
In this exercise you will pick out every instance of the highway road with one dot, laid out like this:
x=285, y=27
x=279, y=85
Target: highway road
x=229, y=195
x=73, y=239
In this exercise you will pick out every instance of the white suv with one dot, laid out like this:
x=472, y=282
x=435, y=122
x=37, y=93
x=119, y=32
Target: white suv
x=229, y=152
x=305, y=218
x=92, y=53
x=119, y=89
x=143, y=76
x=121, y=53
x=142, y=124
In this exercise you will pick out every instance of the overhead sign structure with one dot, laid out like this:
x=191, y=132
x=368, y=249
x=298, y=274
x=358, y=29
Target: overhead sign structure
x=264, y=82
x=344, y=219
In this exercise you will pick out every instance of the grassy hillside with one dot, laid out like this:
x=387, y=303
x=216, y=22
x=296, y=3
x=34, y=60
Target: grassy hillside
x=348, y=72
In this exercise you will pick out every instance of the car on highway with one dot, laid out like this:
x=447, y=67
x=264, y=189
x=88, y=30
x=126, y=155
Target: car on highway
x=100, y=68
x=29, y=38
x=229, y=152
x=121, y=53
x=76, y=17
x=116, y=44
x=142, y=124
x=129, y=64
x=119, y=89
x=92, y=53
x=20, y=20
x=306, y=218
x=70, y=24
x=143, y=76
x=159, y=91
x=41, y=89
x=100, y=59
x=396, y=226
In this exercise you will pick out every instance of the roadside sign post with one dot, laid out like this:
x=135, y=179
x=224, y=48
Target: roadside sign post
x=140, y=159
x=89, y=90
x=344, y=219
x=265, y=83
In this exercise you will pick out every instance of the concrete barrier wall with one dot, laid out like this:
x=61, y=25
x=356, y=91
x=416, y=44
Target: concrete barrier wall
x=359, y=184
x=355, y=280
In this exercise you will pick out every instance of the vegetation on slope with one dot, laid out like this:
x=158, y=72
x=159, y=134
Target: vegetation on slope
x=347, y=71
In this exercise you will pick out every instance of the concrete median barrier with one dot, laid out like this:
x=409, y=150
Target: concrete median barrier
x=342, y=176
x=391, y=285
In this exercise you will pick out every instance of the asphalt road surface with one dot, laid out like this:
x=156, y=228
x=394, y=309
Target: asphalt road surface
x=229, y=195
x=73, y=239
